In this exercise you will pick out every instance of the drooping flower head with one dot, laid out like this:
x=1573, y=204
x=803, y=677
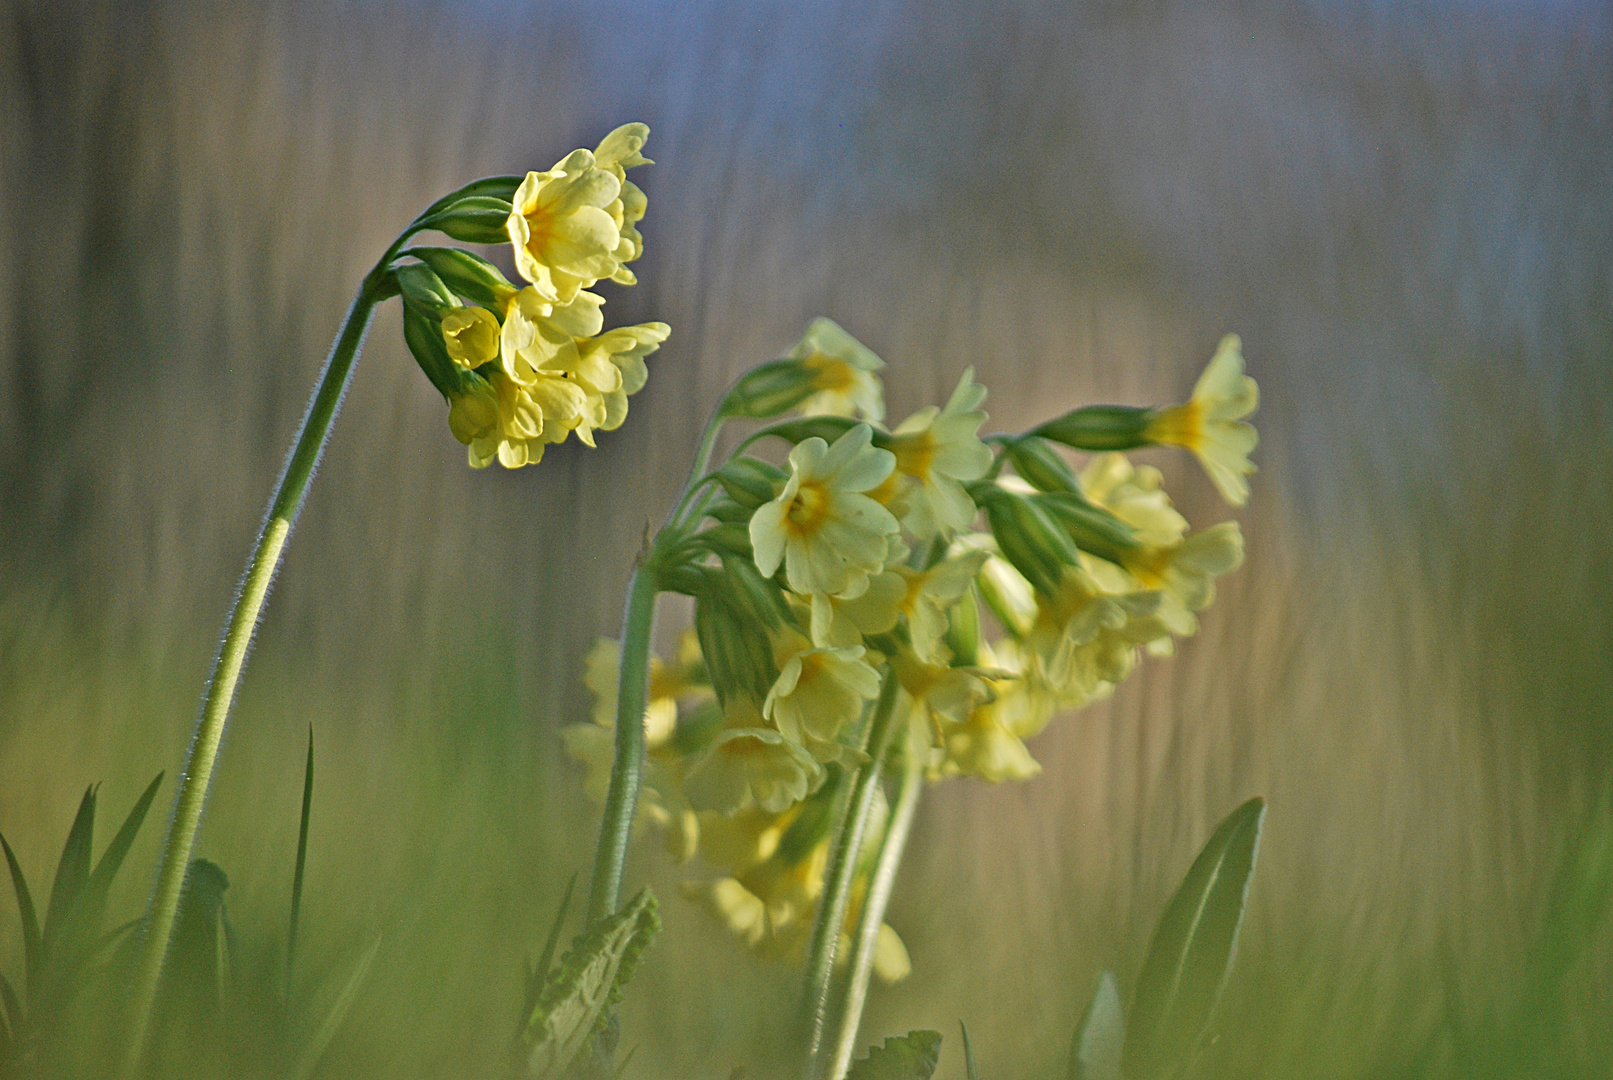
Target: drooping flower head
x=1211, y=423
x=829, y=535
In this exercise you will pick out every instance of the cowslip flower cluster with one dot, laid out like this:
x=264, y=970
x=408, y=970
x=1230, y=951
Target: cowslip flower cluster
x=978, y=587
x=523, y=368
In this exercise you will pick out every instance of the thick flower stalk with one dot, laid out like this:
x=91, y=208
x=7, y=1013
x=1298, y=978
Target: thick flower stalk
x=582, y=380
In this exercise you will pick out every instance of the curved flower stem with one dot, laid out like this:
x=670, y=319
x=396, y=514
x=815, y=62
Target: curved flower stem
x=627, y=770
x=203, y=755
x=838, y=875
x=873, y=916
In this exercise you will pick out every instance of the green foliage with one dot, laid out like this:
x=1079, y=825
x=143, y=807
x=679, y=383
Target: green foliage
x=971, y=1070
x=580, y=994
x=1192, y=951
x=908, y=1057
x=1095, y=1051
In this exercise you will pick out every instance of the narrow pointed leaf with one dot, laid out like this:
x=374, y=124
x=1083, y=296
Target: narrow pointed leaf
x=315, y=1046
x=111, y=861
x=72, y=871
x=578, y=997
x=31, y=946
x=1192, y=950
x=971, y=1070
x=909, y=1057
x=14, y=1016
x=302, y=860
x=1095, y=1052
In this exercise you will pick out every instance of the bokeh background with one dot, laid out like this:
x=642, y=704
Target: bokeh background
x=1405, y=210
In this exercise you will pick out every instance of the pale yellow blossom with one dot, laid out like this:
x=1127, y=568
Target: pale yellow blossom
x=1135, y=495
x=567, y=224
x=829, y=535
x=817, y=693
x=747, y=765
x=844, y=373
x=940, y=450
x=1211, y=423
x=471, y=335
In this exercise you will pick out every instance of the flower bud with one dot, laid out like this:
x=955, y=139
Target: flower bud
x=479, y=219
x=422, y=287
x=1094, y=529
x=963, y=630
x=467, y=274
x=497, y=187
x=1039, y=465
x=471, y=335
x=1037, y=546
x=773, y=388
x=1099, y=427
x=1008, y=594
x=750, y=482
x=761, y=597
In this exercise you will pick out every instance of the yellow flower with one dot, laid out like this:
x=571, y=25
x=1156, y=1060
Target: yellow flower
x=941, y=696
x=985, y=746
x=930, y=595
x=1084, y=639
x=668, y=686
x=941, y=450
x=753, y=764
x=567, y=224
x=838, y=623
x=625, y=348
x=843, y=373
x=830, y=537
x=1185, y=572
x=471, y=335
x=540, y=337
x=1134, y=495
x=1211, y=423
x=817, y=693
x=745, y=839
x=661, y=803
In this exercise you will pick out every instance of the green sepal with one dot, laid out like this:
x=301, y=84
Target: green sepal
x=827, y=428
x=761, y=597
x=721, y=508
x=1099, y=427
x=963, y=630
x=1041, y=466
x=728, y=537
x=1094, y=530
x=421, y=287
x=579, y=997
x=1192, y=951
x=910, y=1057
x=478, y=219
x=423, y=335
x=750, y=482
x=1033, y=542
x=497, y=187
x=467, y=274
x=768, y=390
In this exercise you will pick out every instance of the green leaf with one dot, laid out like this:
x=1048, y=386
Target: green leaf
x=579, y=997
x=539, y=974
x=72, y=873
x=1095, y=1051
x=12, y=1005
x=971, y=1070
x=314, y=1047
x=302, y=860
x=32, y=949
x=908, y=1057
x=1192, y=950
x=111, y=861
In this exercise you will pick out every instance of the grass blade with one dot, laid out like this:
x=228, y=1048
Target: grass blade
x=302, y=860
x=72, y=871
x=1096, y=1052
x=970, y=1068
x=32, y=946
x=1192, y=950
x=111, y=861
x=314, y=1048
x=14, y=1017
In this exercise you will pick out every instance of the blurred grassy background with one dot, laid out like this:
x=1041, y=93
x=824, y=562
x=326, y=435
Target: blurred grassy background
x=1403, y=209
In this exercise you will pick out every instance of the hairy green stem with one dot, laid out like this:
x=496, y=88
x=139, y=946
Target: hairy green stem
x=873, y=916
x=837, y=877
x=627, y=770
x=203, y=755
